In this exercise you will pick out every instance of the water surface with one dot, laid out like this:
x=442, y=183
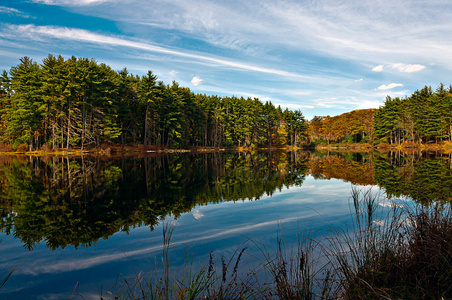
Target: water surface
x=74, y=226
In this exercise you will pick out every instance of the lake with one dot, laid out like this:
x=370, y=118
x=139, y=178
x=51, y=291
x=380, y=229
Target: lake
x=78, y=226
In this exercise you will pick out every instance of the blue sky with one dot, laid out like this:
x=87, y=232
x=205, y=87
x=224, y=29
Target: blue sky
x=325, y=57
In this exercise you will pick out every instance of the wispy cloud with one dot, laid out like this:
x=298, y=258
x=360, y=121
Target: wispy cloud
x=299, y=106
x=64, y=33
x=407, y=68
x=13, y=12
x=42, y=266
x=347, y=102
x=389, y=86
x=71, y=2
x=262, y=47
x=356, y=30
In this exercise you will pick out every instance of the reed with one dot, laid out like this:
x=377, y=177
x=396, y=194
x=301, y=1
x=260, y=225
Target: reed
x=363, y=254
x=298, y=270
x=211, y=281
x=405, y=254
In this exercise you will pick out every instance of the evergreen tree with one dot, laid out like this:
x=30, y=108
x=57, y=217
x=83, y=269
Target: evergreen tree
x=53, y=90
x=146, y=95
x=24, y=115
x=5, y=101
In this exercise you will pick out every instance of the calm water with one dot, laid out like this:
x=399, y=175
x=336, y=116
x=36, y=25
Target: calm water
x=74, y=226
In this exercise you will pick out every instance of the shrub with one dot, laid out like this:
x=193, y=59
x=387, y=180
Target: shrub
x=407, y=254
x=22, y=148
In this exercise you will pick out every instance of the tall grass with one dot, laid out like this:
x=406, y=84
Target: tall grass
x=216, y=280
x=363, y=253
x=297, y=270
x=396, y=253
x=405, y=254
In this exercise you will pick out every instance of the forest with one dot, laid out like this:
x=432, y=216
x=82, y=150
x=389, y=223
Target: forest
x=425, y=117
x=352, y=127
x=78, y=102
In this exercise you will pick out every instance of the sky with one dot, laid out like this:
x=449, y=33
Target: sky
x=324, y=57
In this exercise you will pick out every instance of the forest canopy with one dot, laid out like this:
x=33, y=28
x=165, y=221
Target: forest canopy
x=78, y=102
x=425, y=117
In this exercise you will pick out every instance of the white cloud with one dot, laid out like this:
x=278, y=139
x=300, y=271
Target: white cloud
x=389, y=86
x=291, y=39
x=196, y=81
x=358, y=80
x=13, y=11
x=407, y=68
x=8, y=10
x=197, y=214
x=295, y=106
x=378, y=68
x=380, y=223
x=347, y=102
x=390, y=204
x=327, y=27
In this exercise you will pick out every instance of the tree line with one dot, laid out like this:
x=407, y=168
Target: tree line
x=422, y=118
x=352, y=127
x=78, y=102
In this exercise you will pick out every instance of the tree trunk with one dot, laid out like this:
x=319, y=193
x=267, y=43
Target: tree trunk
x=122, y=135
x=146, y=125
x=68, y=125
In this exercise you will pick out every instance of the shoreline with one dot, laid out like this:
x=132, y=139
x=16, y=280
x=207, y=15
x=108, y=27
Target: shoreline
x=408, y=148
x=115, y=149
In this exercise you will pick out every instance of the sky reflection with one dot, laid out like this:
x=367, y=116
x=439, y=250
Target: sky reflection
x=314, y=208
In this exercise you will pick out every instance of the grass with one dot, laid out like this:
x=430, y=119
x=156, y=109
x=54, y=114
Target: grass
x=362, y=254
x=396, y=253
x=409, y=256
x=297, y=272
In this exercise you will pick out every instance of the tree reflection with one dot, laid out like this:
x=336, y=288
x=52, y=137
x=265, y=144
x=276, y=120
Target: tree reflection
x=62, y=201
x=423, y=177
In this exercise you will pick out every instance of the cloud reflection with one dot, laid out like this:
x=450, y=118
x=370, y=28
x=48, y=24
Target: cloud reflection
x=44, y=266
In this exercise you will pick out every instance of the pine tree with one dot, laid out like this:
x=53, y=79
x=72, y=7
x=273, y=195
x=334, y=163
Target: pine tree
x=24, y=115
x=146, y=95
